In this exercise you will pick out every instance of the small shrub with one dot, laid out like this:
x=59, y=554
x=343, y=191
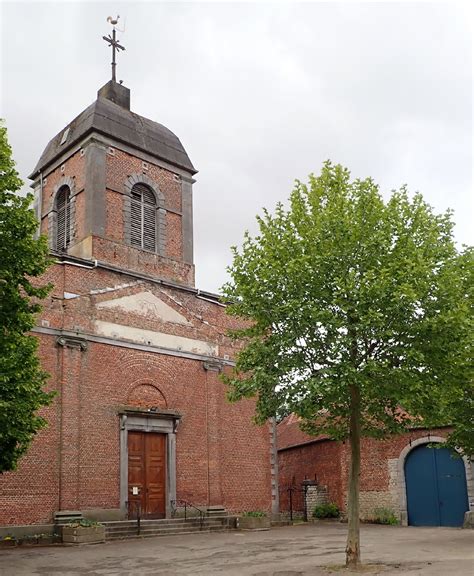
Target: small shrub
x=330, y=510
x=9, y=538
x=255, y=514
x=83, y=523
x=384, y=516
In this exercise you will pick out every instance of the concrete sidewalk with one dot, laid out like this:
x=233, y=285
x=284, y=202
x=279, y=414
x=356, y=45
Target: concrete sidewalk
x=305, y=550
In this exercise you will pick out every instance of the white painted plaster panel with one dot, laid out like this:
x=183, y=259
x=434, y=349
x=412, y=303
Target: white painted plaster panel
x=70, y=295
x=118, y=331
x=146, y=304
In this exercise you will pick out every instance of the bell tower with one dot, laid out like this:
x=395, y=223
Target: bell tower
x=116, y=188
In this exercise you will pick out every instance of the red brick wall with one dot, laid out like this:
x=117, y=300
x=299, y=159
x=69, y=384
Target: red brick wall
x=114, y=223
x=121, y=165
x=74, y=167
x=244, y=450
x=329, y=461
x=320, y=461
x=29, y=494
x=376, y=454
x=129, y=258
x=111, y=248
x=222, y=457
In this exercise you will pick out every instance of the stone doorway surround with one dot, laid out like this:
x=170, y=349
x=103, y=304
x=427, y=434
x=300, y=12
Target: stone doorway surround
x=401, y=475
x=149, y=420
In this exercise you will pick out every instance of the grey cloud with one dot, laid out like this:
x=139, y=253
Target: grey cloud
x=260, y=94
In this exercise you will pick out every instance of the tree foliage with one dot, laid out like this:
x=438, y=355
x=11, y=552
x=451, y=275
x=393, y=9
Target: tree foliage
x=358, y=310
x=22, y=257
x=454, y=390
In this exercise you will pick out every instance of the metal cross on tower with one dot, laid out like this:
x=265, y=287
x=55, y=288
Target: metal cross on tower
x=116, y=47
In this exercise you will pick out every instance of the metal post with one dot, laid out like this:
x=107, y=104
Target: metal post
x=138, y=518
x=114, y=64
x=290, y=490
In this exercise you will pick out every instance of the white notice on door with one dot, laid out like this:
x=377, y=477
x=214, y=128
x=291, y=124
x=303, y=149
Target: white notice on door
x=135, y=490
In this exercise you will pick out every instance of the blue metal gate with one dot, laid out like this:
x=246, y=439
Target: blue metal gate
x=436, y=487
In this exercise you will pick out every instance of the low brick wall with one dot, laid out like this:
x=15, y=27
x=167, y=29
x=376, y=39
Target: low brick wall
x=27, y=530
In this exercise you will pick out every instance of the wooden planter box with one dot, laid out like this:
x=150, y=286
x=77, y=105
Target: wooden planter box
x=253, y=523
x=83, y=534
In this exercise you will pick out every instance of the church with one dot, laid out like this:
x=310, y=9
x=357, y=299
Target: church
x=141, y=422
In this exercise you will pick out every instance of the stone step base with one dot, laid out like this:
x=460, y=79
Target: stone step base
x=166, y=527
x=216, y=511
x=162, y=526
x=122, y=535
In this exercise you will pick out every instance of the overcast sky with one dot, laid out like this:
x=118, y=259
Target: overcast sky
x=259, y=94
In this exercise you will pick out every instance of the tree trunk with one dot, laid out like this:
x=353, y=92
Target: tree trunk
x=353, y=533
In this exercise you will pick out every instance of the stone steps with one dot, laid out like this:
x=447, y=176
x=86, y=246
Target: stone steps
x=155, y=524
x=166, y=527
x=126, y=534
x=279, y=523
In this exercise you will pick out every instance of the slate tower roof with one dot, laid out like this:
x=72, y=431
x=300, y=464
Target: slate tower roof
x=110, y=115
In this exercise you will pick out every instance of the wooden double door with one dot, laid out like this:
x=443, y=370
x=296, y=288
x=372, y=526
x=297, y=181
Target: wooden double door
x=436, y=487
x=147, y=474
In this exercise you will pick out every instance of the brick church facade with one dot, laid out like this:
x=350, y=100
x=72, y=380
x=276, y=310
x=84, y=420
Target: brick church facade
x=133, y=349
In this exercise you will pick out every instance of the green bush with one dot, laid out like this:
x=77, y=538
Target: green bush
x=254, y=514
x=384, y=516
x=330, y=510
x=84, y=523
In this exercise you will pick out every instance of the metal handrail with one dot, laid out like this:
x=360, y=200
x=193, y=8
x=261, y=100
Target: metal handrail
x=186, y=504
x=138, y=509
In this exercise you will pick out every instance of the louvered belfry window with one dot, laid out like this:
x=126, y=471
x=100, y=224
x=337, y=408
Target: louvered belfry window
x=63, y=214
x=143, y=217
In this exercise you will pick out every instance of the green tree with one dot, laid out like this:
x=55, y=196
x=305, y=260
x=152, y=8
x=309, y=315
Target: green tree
x=455, y=351
x=355, y=314
x=22, y=257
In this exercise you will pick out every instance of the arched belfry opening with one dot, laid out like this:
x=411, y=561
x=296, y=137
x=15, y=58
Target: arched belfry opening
x=63, y=218
x=143, y=220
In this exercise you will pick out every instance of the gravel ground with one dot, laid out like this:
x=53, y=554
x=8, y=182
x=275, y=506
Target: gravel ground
x=304, y=550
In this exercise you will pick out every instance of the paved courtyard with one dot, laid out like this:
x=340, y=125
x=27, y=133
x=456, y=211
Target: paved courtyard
x=303, y=550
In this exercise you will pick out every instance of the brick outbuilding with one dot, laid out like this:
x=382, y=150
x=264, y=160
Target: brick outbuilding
x=404, y=474
x=133, y=348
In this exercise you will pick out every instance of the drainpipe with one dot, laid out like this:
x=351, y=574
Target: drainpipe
x=40, y=204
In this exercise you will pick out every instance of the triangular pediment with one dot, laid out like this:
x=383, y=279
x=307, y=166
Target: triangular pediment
x=146, y=304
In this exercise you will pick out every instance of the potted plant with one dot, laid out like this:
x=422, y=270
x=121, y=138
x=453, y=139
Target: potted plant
x=83, y=532
x=253, y=520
